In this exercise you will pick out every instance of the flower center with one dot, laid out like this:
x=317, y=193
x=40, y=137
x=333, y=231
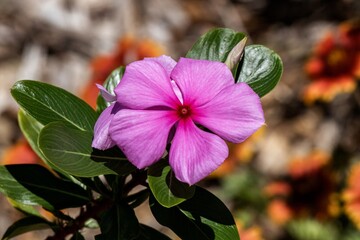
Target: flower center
x=336, y=57
x=339, y=61
x=184, y=111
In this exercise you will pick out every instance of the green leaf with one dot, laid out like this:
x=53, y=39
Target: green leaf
x=245, y=187
x=351, y=234
x=203, y=216
x=31, y=130
x=167, y=190
x=110, y=84
x=25, y=225
x=24, y=208
x=47, y=103
x=215, y=45
x=41, y=182
x=310, y=229
x=119, y=223
x=16, y=191
x=261, y=69
x=70, y=150
x=92, y=224
x=149, y=233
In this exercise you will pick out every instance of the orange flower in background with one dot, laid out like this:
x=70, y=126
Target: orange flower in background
x=128, y=50
x=250, y=233
x=299, y=167
x=279, y=211
x=307, y=190
x=20, y=153
x=335, y=64
x=351, y=195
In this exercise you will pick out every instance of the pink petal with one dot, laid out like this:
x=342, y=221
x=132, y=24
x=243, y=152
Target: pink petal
x=165, y=61
x=234, y=114
x=105, y=94
x=142, y=134
x=102, y=139
x=146, y=84
x=194, y=154
x=201, y=80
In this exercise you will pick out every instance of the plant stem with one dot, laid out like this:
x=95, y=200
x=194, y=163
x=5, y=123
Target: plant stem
x=91, y=211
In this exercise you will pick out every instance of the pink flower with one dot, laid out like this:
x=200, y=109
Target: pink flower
x=161, y=101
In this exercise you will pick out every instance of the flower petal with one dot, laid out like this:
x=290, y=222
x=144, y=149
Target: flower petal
x=105, y=94
x=165, y=61
x=146, y=84
x=194, y=154
x=102, y=139
x=201, y=80
x=234, y=114
x=142, y=134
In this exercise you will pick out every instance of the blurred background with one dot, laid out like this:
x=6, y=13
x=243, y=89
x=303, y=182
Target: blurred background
x=296, y=178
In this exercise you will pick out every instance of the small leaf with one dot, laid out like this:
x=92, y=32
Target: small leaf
x=119, y=222
x=92, y=223
x=215, y=45
x=41, y=182
x=110, y=84
x=47, y=103
x=25, y=225
x=203, y=216
x=16, y=191
x=70, y=150
x=236, y=54
x=261, y=69
x=167, y=190
x=24, y=208
x=149, y=233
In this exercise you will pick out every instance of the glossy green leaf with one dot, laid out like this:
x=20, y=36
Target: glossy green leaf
x=25, y=225
x=149, y=233
x=70, y=150
x=41, y=182
x=167, y=190
x=47, y=103
x=215, y=45
x=16, y=191
x=111, y=82
x=118, y=223
x=261, y=69
x=203, y=216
